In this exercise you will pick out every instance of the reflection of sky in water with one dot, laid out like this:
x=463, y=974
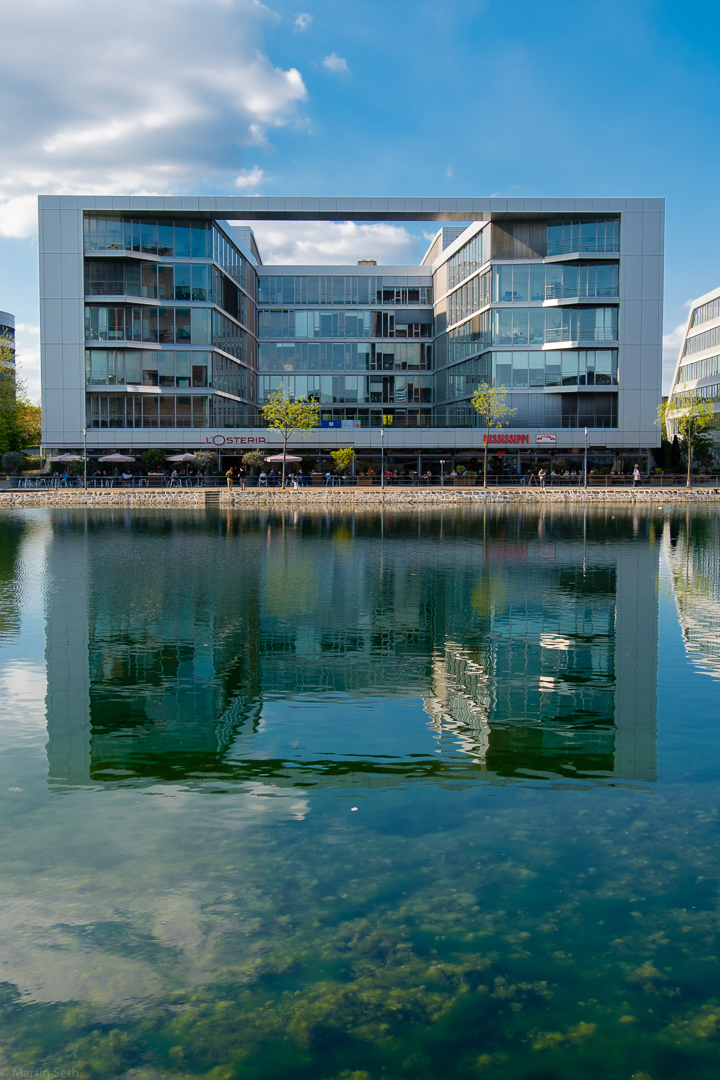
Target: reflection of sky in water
x=403, y=816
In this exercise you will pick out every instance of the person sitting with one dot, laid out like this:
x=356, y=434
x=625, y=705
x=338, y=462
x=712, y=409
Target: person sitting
x=262, y=479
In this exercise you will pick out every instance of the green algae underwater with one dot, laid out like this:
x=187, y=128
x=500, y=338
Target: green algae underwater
x=348, y=796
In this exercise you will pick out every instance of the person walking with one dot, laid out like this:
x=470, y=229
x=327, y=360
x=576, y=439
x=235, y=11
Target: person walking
x=241, y=478
x=230, y=477
x=541, y=477
x=636, y=476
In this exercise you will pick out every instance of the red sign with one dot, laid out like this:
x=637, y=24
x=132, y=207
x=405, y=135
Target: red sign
x=234, y=440
x=495, y=438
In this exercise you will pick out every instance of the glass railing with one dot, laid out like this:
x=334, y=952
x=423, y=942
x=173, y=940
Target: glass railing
x=567, y=333
x=589, y=245
x=563, y=292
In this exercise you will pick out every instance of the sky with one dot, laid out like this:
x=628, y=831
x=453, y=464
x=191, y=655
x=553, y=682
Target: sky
x=476, y=98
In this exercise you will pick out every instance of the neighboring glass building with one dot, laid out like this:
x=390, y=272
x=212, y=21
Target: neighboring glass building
x=697, y=373
x=7, y=342
x=160, y=324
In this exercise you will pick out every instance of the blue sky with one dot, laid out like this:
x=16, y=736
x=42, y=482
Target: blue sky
x=323, y=98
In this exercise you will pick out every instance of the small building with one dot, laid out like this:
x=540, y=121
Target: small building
x=697, y=372
x=7, y=342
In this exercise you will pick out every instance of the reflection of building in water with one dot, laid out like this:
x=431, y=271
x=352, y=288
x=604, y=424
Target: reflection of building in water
x=690, y=545
x=565, y=679
x=167, y=633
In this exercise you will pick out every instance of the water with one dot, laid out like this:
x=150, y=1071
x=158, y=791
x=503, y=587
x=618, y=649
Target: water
x=320, y=797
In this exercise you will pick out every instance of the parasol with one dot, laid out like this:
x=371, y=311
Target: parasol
x=181, y=457
x=68, y=457
x=279, y=457
x=116, y=457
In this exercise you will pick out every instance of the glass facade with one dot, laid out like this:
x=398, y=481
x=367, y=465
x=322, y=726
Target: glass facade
x=700, y=369
x=165, y=411
x=519, y=370
x=567, y=237
x=359, y=344
x=532, y=326
x=706, y=312
x=521, y=282
x=707, y=340
x=469, y=258
x=189, y=294
x=339, y=324
x=343, y=356
x=471, y=297
x=7, y=342
x=351, y=389
x=343, y=290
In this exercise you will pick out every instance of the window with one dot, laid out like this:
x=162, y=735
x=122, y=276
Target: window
x=705, y=312
x=521, y=369
x=565, y=237
x=468, y=259
x=707, y=340
x=344, y=291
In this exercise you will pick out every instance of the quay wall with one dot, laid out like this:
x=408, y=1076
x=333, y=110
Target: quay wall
x=345, y=498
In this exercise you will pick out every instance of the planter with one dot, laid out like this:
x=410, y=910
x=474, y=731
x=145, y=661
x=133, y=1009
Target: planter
x=465, y=481
x=156, y=479
x=316, y=479
x=365, y=481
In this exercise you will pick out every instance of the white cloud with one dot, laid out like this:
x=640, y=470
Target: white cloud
x=332, y=243
x=250, y=178
x=671, y=350
x=302, y=21
x=164, y=103
x=27, y=357
x=336, y=63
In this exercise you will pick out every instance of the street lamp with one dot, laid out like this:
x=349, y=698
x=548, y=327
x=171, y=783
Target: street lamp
x=586, y=438
x=85, y=457
x=382, y=457
x=442, y=472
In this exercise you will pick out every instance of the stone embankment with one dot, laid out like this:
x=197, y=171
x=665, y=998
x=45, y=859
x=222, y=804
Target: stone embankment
x=348, y=498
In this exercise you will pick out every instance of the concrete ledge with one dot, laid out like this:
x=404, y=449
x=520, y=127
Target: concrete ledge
x=339, y=498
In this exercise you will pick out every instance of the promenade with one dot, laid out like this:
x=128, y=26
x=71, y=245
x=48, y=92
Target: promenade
x=348, y=498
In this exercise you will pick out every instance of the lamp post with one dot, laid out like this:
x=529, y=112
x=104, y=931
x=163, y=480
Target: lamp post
x=442, y=472
x=85, y=458
x=586, y=439
x=382, y=457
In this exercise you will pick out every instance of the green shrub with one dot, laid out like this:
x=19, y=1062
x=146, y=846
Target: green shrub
x=13, y=462
x=154, y=459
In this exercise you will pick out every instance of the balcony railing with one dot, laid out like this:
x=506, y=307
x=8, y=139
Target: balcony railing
x=570, y=292
x=582, y=246
x=569, y=333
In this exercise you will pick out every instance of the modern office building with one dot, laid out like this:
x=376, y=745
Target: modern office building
x=697, y=373
x=160, y=325
x=7, y=342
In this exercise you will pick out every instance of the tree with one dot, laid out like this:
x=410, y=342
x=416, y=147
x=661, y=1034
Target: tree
x=689, y=417
x=154, y=459
x=489, y=401
x=288, y=416
x=254, y=459
x=19, y=417
x=343, y=458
